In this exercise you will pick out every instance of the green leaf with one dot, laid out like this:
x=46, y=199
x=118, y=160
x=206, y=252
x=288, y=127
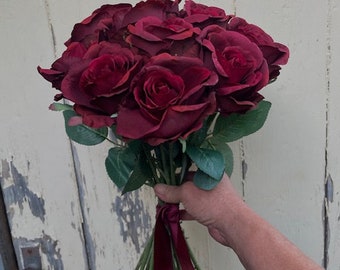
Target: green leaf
x=228, y=158
x=136, y=180
x=119, y=165
x=55, y=106
x=135, y=146
x=209, y=161
x=140, y=174
x=83, y=134
x=204, y=181
x=225, y=150
x=236, y=126
x=197, y=137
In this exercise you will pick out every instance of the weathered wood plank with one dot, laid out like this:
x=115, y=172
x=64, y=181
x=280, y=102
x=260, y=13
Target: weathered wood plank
x=286, y=159
x=115, y=227
x=332, y=172
x=36, y=173
x=7, y=254
x=59, y=199
x=209, y=253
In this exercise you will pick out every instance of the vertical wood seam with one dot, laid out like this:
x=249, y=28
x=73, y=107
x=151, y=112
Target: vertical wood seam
x=234, y=7
x=50, y=26
x=244, y=165
x=328, y=188
x=89, y=248
x=6, y=242
x=89, y=260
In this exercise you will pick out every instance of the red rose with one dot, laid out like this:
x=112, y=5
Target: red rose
x=240, y=65
x=154, y=35
x=202, y=15
x=275, y=53
x=98, y=81
x=169, y=99
x=160, y=9
x=60, y=67
x=104, y=21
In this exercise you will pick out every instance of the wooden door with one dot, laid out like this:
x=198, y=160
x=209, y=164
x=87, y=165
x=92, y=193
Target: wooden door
x=58, y=208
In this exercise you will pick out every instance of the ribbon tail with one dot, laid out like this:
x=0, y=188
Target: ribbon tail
x=163, y=259
x=182, y=249
x=169, y=240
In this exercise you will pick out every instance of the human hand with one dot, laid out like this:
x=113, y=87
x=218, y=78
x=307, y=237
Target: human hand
x=232, y=223
x=215, y=208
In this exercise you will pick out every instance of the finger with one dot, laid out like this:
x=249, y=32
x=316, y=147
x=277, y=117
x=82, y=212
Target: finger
x=166, y=193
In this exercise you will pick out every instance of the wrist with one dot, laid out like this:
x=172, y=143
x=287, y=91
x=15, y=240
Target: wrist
x=232, y=218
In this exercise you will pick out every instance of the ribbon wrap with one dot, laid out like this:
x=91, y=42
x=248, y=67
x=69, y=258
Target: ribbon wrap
x=169, y=239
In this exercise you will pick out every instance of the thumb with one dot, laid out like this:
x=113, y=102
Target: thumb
x=166, y=193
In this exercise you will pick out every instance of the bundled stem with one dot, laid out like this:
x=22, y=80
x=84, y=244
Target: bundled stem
x=164, y=167
x=146, y=260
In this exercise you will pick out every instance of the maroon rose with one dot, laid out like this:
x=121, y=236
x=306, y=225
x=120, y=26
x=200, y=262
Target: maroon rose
x=98, y=81
x=173, y=35
x=202, y=15
x=160, y=9
x=102, y=23
x=170, y=98
x=60, y=67
x=241, y=67
x=275, y=53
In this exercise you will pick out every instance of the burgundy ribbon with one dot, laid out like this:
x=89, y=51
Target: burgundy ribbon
x=168, y=233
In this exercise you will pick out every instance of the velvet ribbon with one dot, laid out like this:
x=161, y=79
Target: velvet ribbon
x=169, y=236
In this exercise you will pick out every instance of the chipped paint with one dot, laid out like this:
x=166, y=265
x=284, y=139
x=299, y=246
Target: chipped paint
x=329, y=194
x=327, y=232
x=50, y=26
x=81, y=187
x=90, y=246
x=18, y=192
x=7, y=253
x=328, y=180
x=329, y=189
x=244, y=168
x=32, y=250
x=133, y=218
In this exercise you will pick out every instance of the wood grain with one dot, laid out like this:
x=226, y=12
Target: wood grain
x=7, y=255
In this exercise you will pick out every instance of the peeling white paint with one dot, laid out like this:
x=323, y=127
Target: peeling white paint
x=18, y=193
x=133, y=219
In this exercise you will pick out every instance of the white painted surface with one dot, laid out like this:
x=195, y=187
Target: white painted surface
x=286, y=161
x=35, y=156
x=333, y=143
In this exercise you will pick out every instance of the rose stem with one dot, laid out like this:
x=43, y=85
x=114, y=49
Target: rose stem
x=164, y=165
x=172, y=169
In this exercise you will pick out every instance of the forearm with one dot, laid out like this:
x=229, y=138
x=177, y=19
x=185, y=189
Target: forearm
x=232, y=223
x=260, y=247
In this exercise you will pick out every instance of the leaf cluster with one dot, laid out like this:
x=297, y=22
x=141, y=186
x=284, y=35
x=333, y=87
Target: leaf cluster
x=133, y=164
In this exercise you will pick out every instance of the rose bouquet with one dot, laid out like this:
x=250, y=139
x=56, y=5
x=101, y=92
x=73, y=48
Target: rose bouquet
x=169, y=88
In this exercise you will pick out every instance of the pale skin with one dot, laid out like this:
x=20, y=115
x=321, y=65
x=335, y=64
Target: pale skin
x=232, y=223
